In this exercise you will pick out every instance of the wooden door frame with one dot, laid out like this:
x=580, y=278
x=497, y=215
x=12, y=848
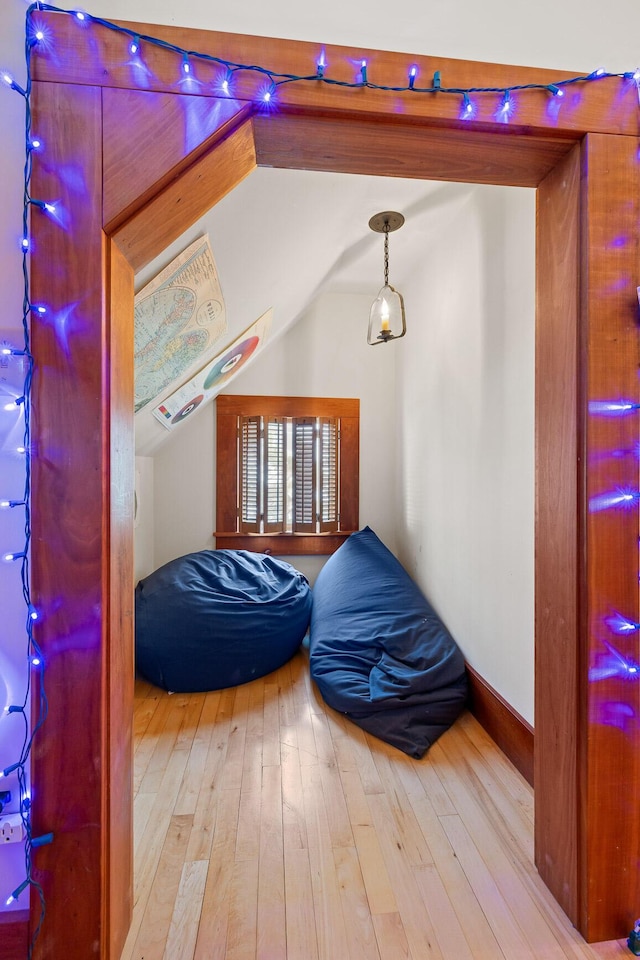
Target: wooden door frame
x=116, y=161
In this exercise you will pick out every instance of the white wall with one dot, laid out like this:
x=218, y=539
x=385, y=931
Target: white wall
x=144, y=523
x=466, y=416
x=325, y=354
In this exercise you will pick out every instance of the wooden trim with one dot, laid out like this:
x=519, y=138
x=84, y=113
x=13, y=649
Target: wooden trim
x=558, y=535
x=283, y=544
x=605, y=109
x=239, y=405
x=511, y=732
x=463, y=155
x=119, y=669
x=14, y=935
x=184, y=200
x=608, y=734
x=71, y=523
x=133, y=177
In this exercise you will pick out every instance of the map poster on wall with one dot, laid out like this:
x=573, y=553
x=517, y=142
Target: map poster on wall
x=215, y=375
x=179, y=316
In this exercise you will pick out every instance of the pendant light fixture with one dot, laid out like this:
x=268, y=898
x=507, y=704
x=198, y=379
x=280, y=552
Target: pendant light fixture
x=386, y=317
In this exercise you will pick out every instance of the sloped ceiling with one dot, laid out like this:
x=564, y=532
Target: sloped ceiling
x=283, y=237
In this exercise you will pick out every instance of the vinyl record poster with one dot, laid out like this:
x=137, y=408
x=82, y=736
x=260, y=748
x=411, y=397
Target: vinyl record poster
x=209, y=381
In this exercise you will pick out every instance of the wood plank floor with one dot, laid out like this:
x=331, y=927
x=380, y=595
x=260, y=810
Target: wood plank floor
x=267, y=827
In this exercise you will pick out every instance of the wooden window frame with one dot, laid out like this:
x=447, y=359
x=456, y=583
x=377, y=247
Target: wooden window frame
x=228, y=408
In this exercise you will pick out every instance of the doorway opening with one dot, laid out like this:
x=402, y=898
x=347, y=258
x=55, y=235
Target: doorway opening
x=587, y=194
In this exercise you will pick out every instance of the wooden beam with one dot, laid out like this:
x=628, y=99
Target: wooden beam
x=184, y=200
x=558, y=531
x=71, y=564
x=14, y=935
x=610, y=106
x=117, y=732
x=192, y=126
x=355, y=145
x=609, y=695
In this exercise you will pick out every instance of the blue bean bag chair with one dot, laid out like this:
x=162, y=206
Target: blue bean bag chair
x=378, y=651
x=218, y=618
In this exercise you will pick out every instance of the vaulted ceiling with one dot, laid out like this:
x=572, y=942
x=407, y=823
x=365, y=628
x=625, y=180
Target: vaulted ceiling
x=283, y=237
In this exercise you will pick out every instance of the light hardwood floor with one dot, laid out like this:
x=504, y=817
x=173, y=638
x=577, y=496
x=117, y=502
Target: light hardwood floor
x=267, y=827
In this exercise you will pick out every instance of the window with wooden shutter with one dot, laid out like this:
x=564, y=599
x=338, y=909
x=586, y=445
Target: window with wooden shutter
x=287, y=473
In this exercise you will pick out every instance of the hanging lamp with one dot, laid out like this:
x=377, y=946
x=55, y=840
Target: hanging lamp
x=386, y=317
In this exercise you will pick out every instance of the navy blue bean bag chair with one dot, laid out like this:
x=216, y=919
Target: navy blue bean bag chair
x=378, y=651
x=218, y=618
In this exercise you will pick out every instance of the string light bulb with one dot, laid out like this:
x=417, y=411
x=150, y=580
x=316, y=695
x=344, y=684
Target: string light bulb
x=16, y=893
x=10, y=769
x=10, y=557
x=613, y=408
x=43, y=205
x=467, y=107
x=621, y=625
x=226, y=83
x=268, y=95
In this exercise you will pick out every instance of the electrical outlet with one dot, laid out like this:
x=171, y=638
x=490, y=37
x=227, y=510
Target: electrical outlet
x=11, y=828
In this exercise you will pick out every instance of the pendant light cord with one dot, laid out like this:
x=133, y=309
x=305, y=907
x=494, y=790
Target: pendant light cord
x=386, y=254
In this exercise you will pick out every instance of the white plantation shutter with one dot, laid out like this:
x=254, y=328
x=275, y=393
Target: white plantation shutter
x=305, y=506
x=288, y=475
x=275, y=475
x=250, y=474
x=328, y=474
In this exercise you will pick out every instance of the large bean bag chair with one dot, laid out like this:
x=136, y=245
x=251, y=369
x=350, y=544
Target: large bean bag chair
x=218, y=618
x=378, y=651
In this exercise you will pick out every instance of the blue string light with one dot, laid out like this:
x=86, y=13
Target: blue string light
x=276, y=78
x=612, y=408
x=621, y=498
x=621, y=625
x=32, y=709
